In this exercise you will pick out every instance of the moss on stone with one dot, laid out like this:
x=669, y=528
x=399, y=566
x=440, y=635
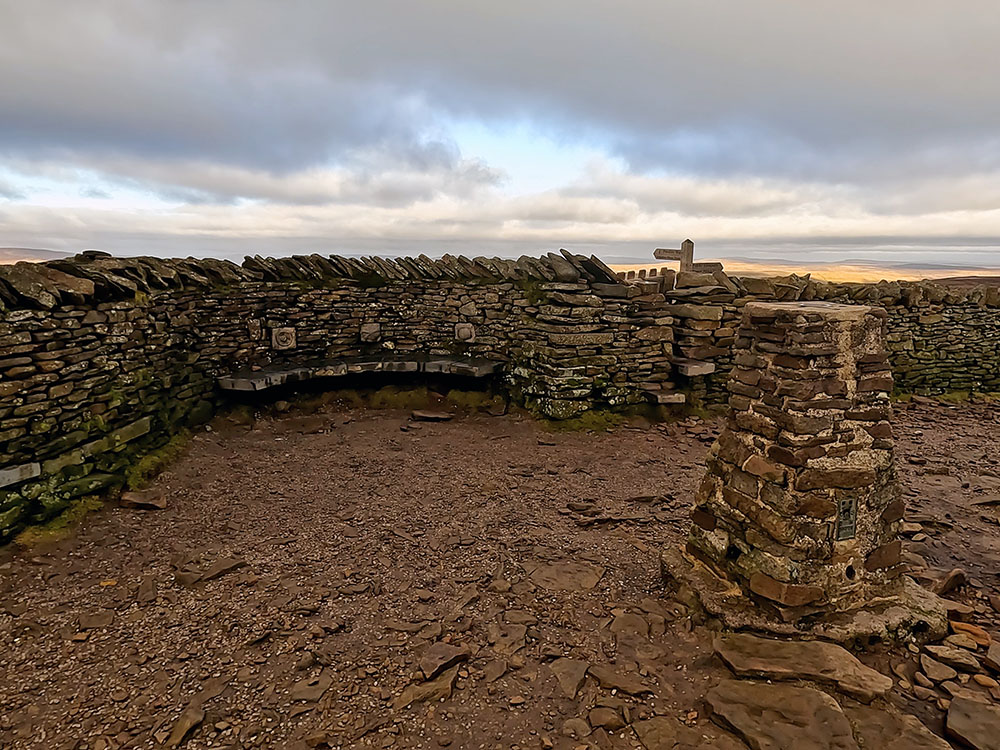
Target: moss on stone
x=954, y=397
x=62, y=525
x=533, y=291
x=475, y=400
x=395, y=397
x=592, y=420
x=139, y=475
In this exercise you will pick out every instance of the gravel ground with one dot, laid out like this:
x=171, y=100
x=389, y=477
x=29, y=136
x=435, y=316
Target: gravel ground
x=289, y=594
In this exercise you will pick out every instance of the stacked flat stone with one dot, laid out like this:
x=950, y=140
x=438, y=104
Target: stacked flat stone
x=698, y=297
x=103, y=359
x=927, y=356
x=800, y=503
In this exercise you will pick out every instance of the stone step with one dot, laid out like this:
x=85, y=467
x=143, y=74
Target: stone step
x=693, y=368
x=664, y=394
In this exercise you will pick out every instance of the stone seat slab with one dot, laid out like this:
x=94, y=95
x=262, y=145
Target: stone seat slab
x=275, y=375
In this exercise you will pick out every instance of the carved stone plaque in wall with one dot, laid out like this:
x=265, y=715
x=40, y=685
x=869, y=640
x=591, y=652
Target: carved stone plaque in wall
x=465, y=332
x=371, y=332
x=282, y=338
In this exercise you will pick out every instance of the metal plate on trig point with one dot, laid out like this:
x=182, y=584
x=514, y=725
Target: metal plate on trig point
x=847, y=518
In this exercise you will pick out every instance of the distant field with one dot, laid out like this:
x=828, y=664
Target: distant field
x=844, y=272
x=17, y=254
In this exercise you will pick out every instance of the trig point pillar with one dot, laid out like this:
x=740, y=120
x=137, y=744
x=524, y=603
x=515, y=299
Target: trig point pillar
x=796, y=522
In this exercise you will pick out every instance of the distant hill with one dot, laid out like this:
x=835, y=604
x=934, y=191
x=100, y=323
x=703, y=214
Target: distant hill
x=969, y=281
x=846, y=271
x=15, y=254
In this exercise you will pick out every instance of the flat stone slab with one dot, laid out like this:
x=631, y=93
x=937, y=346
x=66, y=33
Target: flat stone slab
x=781, y=717
x=566, y=576
x=692, y=367
x=957, y=658
x=269, y=377
x=750, y=656
x=884, y=730
x=667, y=733
x=974, y=723
x=829, y=310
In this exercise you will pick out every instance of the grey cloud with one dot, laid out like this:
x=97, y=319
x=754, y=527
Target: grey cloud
x=823, y=89
x=812, y=118
x=377, y=181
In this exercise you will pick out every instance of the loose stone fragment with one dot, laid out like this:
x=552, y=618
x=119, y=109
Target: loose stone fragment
x=961, y=640
x=954, y=657
x=146, y=500
x=567, y=576
x=992, y=657
x=96, y=620
x=609, y=679
x=423, y=415
x=312, y=690
x=495, y=670
x=435, y=689
x=629, y=623
x=440, y=656
x=606, y=718
x=222, y=566
x=190, y=718
x=935, y=670
x=976, y=633
x=571, y=674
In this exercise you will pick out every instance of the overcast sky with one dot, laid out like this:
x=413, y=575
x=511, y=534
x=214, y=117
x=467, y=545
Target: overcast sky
x=768, y=128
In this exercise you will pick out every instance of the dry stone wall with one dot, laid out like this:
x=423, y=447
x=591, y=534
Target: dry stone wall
x=940, y=339
x=102, y=359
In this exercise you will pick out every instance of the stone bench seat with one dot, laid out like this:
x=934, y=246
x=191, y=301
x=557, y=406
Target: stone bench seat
x=275, y=375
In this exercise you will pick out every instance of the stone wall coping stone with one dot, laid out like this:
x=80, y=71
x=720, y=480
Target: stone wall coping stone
x=95, y=278
x=830, y=310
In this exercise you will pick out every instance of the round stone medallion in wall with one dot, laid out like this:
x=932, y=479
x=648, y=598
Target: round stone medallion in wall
x=465, y=332
x=283, y=338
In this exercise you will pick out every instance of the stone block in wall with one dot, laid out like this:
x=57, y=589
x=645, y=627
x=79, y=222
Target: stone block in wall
x=465, y=332
x=16, y=474
x=370, y=332
x=697, y=312
x=687, y=279
x=283, y=338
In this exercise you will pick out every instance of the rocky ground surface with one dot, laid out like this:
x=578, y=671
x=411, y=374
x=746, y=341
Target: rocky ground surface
x=361, y=579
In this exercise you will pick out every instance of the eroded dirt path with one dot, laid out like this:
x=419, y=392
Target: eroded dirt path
x=289, y=593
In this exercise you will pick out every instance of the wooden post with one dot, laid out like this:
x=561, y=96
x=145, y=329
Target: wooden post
x=687, y=255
